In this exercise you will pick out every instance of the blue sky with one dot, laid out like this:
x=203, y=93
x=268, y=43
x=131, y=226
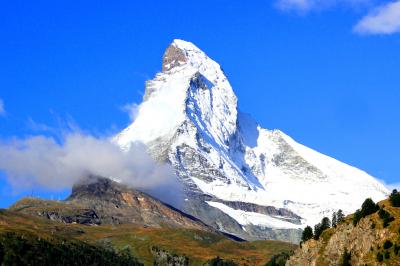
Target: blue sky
x=324, y=72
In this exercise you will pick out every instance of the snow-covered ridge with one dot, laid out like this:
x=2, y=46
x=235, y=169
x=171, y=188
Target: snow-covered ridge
x=189, y=117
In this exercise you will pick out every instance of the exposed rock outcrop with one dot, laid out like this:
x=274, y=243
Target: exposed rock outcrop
x=364, y=242
x=165, y=258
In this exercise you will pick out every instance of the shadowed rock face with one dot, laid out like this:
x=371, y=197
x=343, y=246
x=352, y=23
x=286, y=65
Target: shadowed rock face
x=99, y=200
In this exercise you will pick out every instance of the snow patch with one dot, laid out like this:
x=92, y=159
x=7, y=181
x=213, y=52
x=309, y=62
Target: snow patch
x=248, y=218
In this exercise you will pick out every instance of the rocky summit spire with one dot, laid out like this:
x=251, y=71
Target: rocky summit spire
x=182, y=53
x=173, y=56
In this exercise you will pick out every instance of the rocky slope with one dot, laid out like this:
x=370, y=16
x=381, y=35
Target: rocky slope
x=98, y=200
x=237, y=175
x=364, y=241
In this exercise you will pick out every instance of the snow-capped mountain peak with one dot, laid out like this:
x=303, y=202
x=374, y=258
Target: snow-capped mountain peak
x=182, y=53
x=191, y=86
x=238, y=176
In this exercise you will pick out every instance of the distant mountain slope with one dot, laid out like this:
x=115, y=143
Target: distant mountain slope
x=189, y=117
x=369, y=242
x=150, y=245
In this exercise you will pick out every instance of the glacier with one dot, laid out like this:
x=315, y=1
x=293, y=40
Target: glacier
x=240, y=178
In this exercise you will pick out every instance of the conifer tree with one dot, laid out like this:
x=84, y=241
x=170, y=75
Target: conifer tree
x=395, y=198
x=334, y=219
x=339, y=216
x=321, y=227
x=369, y=207
x=307, y=234
x=325, y=223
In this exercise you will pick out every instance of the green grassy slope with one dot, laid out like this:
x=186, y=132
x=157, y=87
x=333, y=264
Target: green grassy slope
x=139, y=241
x=23, y=242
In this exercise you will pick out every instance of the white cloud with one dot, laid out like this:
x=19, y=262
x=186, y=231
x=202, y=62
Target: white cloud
x=132, y=109
x=308, y=5
x=42, y=161
x=300, y=5
x=382, y=20
x=2, y=110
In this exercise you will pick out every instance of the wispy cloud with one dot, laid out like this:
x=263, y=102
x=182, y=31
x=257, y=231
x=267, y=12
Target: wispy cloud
x=41, y=161
x=384, y=19
x=305, y=6
x=297, y=5
x=39, y=127
x=132, y=109
x=2, y=110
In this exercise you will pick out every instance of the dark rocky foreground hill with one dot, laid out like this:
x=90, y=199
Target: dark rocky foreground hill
x=105, y=220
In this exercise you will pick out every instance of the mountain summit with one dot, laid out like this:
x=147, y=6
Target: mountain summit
x=238, y=177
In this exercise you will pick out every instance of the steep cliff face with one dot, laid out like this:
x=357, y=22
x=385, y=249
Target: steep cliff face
x=365, y=242
x=189, y=118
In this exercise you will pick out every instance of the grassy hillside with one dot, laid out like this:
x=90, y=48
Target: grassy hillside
x=195, y=247
x=32, y=244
